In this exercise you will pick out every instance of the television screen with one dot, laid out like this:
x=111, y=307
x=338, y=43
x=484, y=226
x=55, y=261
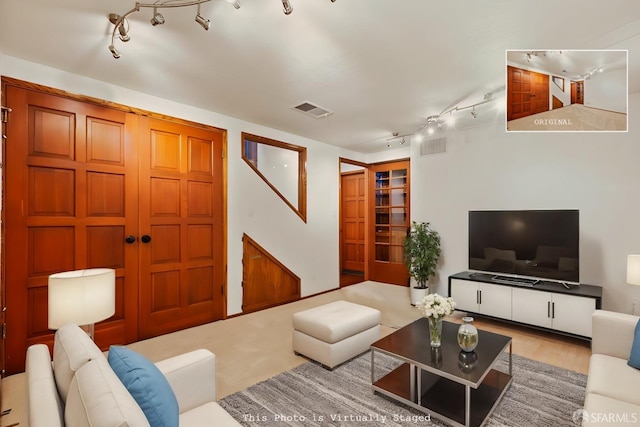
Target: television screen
x=541, y=244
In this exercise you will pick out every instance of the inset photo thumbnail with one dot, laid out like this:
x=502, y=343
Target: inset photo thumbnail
x=567, y=90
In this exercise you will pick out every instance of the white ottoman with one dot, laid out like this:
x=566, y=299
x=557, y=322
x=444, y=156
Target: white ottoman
x=336, y=332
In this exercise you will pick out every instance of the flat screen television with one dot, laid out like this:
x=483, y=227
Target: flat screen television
x=540, y=244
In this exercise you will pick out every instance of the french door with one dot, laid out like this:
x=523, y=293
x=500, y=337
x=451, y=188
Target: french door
x=92, y=186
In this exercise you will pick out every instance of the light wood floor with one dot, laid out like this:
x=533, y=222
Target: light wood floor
x=254, y=347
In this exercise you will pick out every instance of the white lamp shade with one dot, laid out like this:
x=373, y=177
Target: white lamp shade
x=82, y=297
x=633, y=269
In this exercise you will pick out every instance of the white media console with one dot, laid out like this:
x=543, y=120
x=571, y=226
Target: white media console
x=548, y=305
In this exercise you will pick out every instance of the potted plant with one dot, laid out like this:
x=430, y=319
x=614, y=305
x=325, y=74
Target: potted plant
x=421, y=254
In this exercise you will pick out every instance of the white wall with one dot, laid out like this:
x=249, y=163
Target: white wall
x=486, y=168
x=309, y=250
x=607, y=91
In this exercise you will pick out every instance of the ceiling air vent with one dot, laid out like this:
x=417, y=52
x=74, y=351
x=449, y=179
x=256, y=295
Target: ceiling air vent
x=433, y=146
x=313, y=110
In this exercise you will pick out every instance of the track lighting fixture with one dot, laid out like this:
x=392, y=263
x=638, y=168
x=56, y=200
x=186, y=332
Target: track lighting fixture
x=287, y=7
x=473, y=112
x=121, y=24
x=157, y=19
x=204, y=22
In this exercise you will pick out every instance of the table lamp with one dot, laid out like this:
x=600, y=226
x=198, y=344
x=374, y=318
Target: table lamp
x=633, y=269
x=83, y=297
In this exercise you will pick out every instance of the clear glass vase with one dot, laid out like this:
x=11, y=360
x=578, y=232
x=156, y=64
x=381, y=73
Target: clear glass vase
x=435, y=331
x=467, y=335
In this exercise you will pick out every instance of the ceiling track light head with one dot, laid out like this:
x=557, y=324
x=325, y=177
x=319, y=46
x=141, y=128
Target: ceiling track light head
x=286, y=4
x=234, y=3
x=157, y=19
x=204, y=22
x=114, y=51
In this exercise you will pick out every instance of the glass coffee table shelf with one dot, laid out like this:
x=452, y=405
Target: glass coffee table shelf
x=460, y=388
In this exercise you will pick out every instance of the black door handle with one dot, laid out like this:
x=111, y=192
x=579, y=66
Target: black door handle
x=145, y=238
x=130, y=239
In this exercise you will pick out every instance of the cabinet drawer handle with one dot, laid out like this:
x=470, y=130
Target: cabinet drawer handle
x=553, y=310
x=548, y=309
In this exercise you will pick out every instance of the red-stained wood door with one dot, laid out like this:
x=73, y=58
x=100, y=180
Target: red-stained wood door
x=527, y=93
x=181, y=226
x=353, y=212
x=70, y=200
x=82, y=178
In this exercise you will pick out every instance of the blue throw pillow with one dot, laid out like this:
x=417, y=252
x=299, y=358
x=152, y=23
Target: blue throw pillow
x=634, y=357
x=147, y=385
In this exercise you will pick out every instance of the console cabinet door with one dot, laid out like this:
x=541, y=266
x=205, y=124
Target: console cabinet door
x=573, y=314
x=495, y=300
x=532, y=307
x=465, y=294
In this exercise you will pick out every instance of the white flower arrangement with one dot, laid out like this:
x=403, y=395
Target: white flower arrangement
x=434, y=305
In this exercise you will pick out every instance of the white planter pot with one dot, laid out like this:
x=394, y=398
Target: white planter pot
x=417, y=294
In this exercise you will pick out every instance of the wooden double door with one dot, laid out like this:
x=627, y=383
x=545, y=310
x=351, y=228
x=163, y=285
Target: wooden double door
x=527, y=93
x=89, y=186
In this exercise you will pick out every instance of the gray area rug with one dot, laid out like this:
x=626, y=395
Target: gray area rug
x=309, y=395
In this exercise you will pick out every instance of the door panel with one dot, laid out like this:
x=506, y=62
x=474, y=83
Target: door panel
x=181, y=270
x=353, y=221
x=71, y=198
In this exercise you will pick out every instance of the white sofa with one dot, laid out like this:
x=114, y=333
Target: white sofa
x=79, y=388
x=612, y=396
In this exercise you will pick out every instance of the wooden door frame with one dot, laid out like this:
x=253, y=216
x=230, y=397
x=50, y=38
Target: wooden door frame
x=366, y=216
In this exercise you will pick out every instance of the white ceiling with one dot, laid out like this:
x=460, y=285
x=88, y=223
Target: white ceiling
x=381, y=66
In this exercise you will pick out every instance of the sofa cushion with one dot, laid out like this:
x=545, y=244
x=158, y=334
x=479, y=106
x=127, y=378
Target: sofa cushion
x=208, y=415
x=605, y=411
x=72, y=348
x=147, y=385
x=97, y=398
x=634, y=357
x=612, y=377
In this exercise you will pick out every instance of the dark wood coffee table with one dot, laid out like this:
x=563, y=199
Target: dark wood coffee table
x=456, y=387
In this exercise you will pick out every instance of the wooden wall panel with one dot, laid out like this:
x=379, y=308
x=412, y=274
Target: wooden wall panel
x=199, y=285
x=200, y=156
x=165, y=197
x=165, y=246
x=165, y=151
x=51, y=133
x=51, y=192
x=199, y=195
x=266, y=282
x=200, y=242
x=105, y=194
x=50, y=250
x=104, y=246
x=105, y=142
x=165, y=290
